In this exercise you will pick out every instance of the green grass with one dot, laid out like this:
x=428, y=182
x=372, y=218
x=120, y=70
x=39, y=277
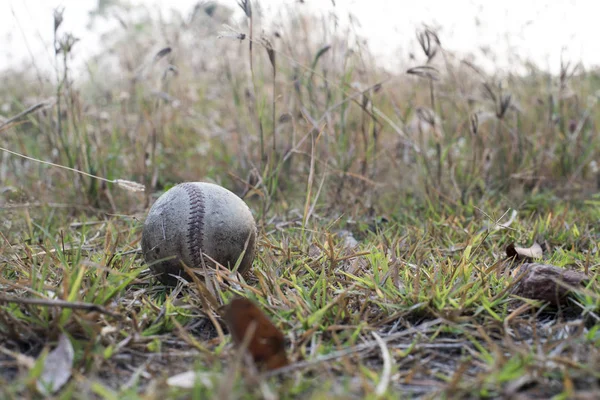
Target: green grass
x=427, y=274
x=325, y=300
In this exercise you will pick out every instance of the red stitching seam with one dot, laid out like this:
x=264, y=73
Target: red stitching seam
x=195, y=236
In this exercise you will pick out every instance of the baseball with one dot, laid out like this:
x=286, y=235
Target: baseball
x=194, y=219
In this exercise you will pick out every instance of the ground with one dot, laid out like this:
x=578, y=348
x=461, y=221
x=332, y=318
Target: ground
x=385, y=203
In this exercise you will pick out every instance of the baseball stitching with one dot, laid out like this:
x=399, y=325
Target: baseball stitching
x=195, y=236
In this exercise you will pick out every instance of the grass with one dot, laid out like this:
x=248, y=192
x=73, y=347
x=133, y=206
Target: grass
x=384, y=200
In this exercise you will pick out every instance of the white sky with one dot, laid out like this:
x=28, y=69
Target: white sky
x=539, y=29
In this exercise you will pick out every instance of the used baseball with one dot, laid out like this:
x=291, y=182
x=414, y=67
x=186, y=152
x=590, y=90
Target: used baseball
x=193, y=220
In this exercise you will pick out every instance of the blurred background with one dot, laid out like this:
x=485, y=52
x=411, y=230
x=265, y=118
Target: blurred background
x=366, y=100
x=541, y=31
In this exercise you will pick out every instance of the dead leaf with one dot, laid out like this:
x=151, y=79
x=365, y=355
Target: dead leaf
x=523, y=253
x=314, y=251
x=350, y=243
x=545, y=282
x=57, y=367
x=187, y=380
x=267, y=343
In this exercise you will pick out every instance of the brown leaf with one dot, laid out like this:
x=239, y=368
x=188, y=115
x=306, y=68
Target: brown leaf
x=267, y=343
x=545, y=282
x=524, y=253
x=270, y=51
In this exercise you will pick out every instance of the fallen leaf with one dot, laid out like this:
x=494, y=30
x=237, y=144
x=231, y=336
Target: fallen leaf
x=187, y=380
x=350, y=243
x=524, y=253
x=57, y=367
x=314, y=251
x=545, y=282
x=266, y=343
x=107, y=330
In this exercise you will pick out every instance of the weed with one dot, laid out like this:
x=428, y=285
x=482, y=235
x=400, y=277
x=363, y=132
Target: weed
x=385, y=201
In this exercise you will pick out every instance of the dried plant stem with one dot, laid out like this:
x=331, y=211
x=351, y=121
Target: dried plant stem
x=274, y=113
x=351, y=97
x=130, y=185
x=363, y=347
x=59, y=88
x=76, y=305
x=386, y=373
x=246, y=6
x=309, y=184
x=25, y=112
x=438, y=145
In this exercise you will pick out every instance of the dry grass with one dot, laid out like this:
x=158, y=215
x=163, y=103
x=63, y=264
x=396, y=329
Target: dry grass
x=380, y=198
